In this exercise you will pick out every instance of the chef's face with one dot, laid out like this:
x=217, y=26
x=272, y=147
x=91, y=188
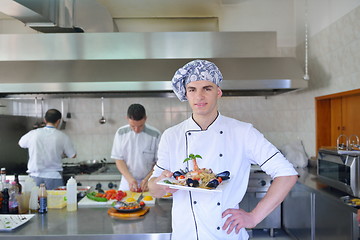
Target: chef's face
x=202, y=97
x=137, y=126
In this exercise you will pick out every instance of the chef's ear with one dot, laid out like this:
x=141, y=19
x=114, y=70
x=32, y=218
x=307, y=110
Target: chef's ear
x=219, y=92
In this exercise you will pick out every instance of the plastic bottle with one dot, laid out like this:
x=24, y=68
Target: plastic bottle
x=34, y=201
x=13, y=203
x=71, y=195
x=18, y=182
x=42, y=199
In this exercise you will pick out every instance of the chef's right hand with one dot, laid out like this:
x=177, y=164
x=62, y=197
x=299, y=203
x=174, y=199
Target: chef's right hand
x=160, y=190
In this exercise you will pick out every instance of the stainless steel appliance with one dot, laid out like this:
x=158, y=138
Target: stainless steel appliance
x=340, y=171
x=259, y=183
x=104, y=177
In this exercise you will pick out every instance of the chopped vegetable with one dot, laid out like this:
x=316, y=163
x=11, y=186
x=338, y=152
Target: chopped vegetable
x=92, y=196
x=168, y=182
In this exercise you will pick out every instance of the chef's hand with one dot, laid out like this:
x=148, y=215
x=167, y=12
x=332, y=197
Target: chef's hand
x=133, y=185
x=157, y=190
x=238, y=219
x=144, y=185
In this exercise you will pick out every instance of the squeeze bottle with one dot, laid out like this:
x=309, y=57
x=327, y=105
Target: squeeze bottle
x=71, y=195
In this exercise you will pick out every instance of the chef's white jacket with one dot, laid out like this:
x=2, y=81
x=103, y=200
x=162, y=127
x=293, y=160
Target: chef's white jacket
x=138, y=150
x=227, y=144
x=46, y=148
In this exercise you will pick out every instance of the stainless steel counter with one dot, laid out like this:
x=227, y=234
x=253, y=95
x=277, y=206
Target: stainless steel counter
x=95, y=223
x=308, y=179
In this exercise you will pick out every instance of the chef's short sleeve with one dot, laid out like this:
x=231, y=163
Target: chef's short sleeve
x=267, y=156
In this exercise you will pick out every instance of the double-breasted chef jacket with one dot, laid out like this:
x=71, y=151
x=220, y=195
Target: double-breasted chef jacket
x=138, y=150
x=226, y=145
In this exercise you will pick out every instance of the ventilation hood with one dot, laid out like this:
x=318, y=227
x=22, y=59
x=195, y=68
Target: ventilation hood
x=60, y=16
x=141, y=64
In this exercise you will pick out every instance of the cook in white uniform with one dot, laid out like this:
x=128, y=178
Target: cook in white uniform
x=134, y=150
x=47, y=147
x=225, y=144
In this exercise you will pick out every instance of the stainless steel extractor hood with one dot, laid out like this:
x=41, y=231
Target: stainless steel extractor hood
x=60, y=16
x=142, y=63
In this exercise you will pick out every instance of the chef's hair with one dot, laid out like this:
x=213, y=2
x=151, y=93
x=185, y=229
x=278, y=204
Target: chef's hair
x=136, y=112
x=52, y=115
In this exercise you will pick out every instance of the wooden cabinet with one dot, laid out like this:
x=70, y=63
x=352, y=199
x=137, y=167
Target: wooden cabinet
x=337, y=114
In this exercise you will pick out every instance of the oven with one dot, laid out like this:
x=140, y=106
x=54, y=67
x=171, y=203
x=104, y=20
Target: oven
x=340, y=171
x=259, y=183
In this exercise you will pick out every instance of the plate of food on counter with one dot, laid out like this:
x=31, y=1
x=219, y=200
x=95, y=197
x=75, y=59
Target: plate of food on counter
x=128, y=207
x=199, y=179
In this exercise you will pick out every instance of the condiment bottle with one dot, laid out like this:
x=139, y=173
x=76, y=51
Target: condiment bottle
x=13, y=203
x=5, y=201
x=71, y=195
x=18, y=182
x=42, y=199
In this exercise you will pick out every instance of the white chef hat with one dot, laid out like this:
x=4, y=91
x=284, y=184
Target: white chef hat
x=194, y=71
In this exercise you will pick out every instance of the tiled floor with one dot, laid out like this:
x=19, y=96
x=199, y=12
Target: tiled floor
x=260, y=234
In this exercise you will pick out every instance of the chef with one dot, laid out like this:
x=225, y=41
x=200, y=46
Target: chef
x=134, y=150
x=47, y=147
x=225, y=144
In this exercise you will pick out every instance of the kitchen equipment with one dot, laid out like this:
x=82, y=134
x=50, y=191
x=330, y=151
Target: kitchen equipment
x=68, y=115
x=102, y=119
x=36, y=124
x=63, y=122
x=42, y=124
x=259, y=183
x=346, y=144
x=93, y=164
x=340, y=171
x=131, y=215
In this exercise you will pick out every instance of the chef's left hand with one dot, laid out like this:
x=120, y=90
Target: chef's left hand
x=144, y=185
x=238, y=219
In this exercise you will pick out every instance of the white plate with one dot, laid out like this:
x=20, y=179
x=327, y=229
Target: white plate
x=193, y=189
x=9, y=222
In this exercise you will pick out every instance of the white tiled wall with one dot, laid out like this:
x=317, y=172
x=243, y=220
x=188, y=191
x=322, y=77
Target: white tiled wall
x=334, y=66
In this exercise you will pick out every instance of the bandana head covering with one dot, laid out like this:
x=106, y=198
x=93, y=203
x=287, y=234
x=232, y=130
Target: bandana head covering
x=194, y=71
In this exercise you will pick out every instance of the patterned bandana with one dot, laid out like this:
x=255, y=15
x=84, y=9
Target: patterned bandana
x=194, y=71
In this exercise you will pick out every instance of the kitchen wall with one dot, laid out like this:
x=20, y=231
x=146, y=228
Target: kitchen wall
x=334, y=66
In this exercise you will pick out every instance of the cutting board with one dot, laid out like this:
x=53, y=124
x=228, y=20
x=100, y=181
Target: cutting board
x=133, y=215
x=86, y=202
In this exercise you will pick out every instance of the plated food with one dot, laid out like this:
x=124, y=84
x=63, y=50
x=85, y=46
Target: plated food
x=124, y=206
x=198, y=178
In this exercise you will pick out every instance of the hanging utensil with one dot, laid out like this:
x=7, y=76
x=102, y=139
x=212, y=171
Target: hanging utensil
x=102, y=119
x=42, y=124
x=36, y=124
x=63, y=122
x=68, y=115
